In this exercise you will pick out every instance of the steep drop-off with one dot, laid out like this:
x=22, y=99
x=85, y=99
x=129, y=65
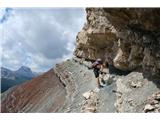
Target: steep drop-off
x=44, y=93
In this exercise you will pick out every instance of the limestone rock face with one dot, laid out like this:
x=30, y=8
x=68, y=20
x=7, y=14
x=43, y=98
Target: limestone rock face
x=126, y=38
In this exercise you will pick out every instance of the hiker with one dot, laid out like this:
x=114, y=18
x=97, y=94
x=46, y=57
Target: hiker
x=98, y=67
x=102, y=74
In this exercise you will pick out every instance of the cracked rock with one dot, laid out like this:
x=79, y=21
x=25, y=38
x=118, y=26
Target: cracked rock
x=148, y=108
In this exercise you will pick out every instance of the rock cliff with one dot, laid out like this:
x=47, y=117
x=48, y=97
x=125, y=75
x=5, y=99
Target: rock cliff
x=129, y=40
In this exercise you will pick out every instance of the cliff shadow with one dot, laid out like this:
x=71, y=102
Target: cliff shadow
x=115, y=71
x=148, y=76
x=154, y=79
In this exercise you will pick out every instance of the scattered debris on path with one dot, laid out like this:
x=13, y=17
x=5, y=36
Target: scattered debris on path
x=91, y=102
x=153, y=103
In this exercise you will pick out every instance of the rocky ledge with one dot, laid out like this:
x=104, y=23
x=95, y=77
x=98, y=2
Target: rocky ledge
x=71, y=87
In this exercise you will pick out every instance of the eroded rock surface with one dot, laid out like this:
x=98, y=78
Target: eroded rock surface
x=127, y=38
x=70, y=87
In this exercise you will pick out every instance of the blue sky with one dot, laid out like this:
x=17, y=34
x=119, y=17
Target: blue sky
x=38, y=37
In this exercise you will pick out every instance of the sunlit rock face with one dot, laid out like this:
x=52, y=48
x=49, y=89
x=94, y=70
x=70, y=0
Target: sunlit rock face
x=127, y=38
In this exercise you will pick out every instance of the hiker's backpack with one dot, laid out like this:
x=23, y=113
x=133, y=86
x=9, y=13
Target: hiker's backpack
x=95, y=64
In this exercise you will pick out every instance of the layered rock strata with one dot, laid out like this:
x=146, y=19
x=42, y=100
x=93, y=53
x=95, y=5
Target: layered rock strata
x=126, y=37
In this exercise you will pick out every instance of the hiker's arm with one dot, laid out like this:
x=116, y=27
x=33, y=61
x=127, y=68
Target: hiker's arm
x=91, y=66
x=102, y=68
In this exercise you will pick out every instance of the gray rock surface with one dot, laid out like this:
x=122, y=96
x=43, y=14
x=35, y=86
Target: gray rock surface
x=63, y=91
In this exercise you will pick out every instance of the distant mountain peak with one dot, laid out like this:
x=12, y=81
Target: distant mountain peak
x=6, y=73
x=26, y=71
x=24, y=68
x=11, y=78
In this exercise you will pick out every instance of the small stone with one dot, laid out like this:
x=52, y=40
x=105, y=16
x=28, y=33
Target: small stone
x=130, y=101
x=87, y=95
x=136, y=84
x=120, y=101
x=148, y=107
x=157, y=97
x=157, y=105
x=70, y=73
x=91, y=109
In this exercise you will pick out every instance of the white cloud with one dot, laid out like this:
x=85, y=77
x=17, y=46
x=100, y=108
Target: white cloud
x=39, y=38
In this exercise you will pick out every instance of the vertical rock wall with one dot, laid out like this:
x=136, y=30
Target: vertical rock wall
x=126, y=38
